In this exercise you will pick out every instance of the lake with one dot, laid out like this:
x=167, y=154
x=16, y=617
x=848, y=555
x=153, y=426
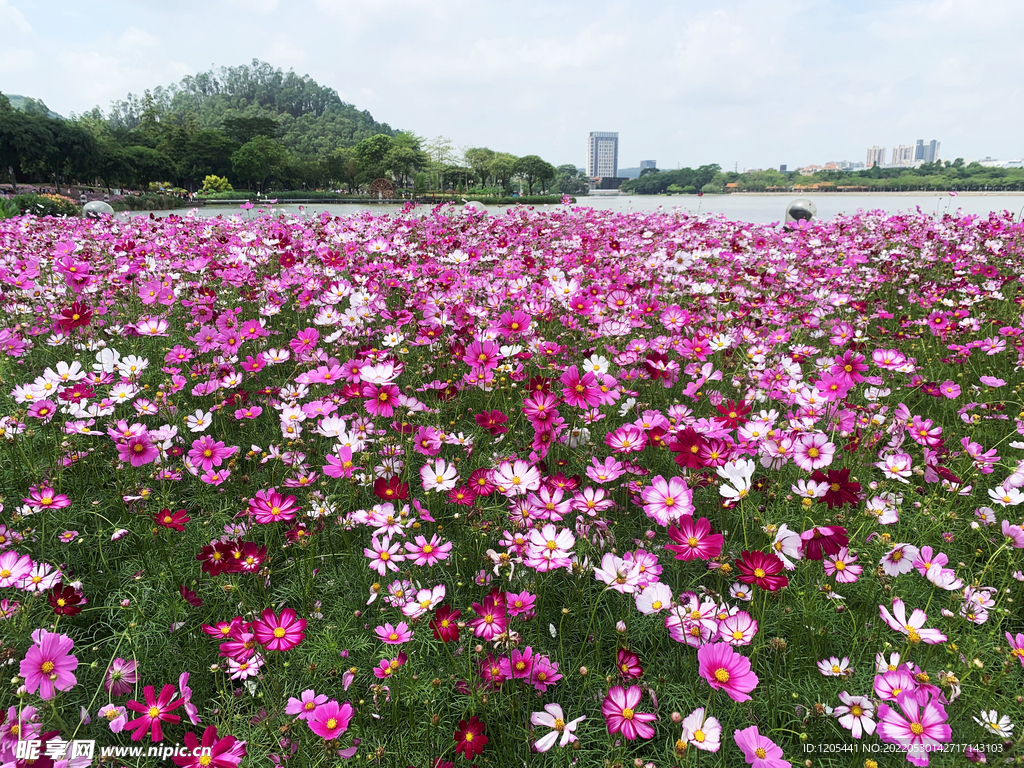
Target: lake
x=763, y=209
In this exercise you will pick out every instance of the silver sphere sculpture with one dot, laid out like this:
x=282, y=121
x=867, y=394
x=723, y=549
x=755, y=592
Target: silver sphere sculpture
x=97, y=209
x=801, y=210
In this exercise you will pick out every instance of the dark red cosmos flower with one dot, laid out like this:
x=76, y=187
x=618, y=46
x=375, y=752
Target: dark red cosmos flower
x=762, y=570
x=655, y=364
x=79, y=393
x=189, y=596
x=216, y=558
x=687, y=448
x=445, y=624
x=469, y=738
x=539, y=384
x=733, y=413
x=222, y=752
x=493, y=422
x=390, y=489
x=173, y=520
x=823, y=540
x=75, y=316
x=841, y=490
x=66, y=600
x=628, y=664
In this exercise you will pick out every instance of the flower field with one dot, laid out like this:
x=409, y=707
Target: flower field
x=541, y=489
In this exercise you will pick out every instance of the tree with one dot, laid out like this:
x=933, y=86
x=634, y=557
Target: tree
x=440, y=151
x=503, y=168
x=370, y=154
x=258, y=159
x=534, y=169
x=570, y=180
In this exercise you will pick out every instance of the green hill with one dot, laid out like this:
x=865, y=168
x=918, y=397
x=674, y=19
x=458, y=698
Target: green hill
x=309, y=119
x=30, y=106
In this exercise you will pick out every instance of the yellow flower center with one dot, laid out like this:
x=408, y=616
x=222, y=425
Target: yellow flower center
x=722, y=675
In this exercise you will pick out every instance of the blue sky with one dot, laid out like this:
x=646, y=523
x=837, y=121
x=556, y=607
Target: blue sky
x=753, y=82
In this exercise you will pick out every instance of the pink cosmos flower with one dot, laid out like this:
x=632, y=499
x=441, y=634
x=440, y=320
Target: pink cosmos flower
x=1016, y=646
x=918, y=726
x=912, y=628
x=207, y=453
x=665, y=501
x=279, y=633
x=843, y=566
x=813, y=451
x=620, y=715
x=44, y=497
x=759, y=751
x=727, y=670
x=383, y=554
x=48, y=665
x=394, y=635
x=14, y=568
x=304, y=706
x=330, y=720
x=580, y=391
x=424, y=553
x=738, y=629
x=702, y=732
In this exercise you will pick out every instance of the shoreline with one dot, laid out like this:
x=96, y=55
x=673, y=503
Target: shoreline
x=819, y=193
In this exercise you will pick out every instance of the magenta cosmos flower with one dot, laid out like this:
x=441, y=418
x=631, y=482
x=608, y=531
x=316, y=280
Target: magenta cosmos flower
x=619, y=710
x=694, y=539
x=759, y=751
x=304, y=706
x=138, y=450
x=330, y=720
x=155, y=712
x=279, y=633
x=269, y=506
x=224, y=753
x=48, y=665
x=727, y=670
x=919, y=729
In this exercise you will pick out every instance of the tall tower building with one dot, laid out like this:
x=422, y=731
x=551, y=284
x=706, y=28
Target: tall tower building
x=919, y=150
x=876, y=156
x=603, y=154
x=931, y=152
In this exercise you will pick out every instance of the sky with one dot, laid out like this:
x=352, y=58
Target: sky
x=741, y=83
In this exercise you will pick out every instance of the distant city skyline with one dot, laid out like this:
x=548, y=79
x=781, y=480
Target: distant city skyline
x=680, y=80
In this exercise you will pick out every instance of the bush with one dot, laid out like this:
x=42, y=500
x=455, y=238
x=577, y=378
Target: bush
x=8, y=208
x=46, y=205
x=150, y=202
x=233, y=194
x=215, y=184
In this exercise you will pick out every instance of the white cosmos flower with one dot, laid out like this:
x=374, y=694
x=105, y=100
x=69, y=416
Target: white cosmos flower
x=198, y=421
x=552, y=717
x=738, y=473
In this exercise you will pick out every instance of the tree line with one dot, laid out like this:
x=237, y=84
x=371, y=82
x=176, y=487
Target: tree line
x=939, y=175
x=258, y=127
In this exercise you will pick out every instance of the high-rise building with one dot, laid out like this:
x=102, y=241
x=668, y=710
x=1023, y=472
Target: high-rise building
x=902, y=155
x=783, y=167
x=919, y=150
x=648, y=164
x=931, y=152
x=602, y=154
x=876, y=156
